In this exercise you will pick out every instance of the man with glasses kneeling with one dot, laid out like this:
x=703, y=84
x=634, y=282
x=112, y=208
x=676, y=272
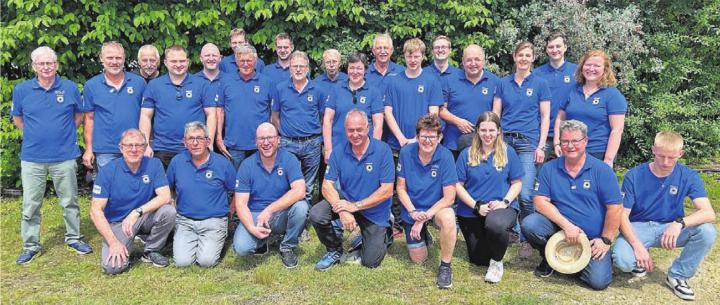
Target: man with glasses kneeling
x=131, y=196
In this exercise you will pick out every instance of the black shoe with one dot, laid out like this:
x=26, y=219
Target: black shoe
x=289, y=259
x=444, y=277
x=262, y=250
x=543, y=270
x=157, y=259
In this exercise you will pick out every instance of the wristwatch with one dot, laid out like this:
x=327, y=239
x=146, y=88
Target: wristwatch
x=606, y=240
x=139, y=211
x=507, y=202
x=681, y=221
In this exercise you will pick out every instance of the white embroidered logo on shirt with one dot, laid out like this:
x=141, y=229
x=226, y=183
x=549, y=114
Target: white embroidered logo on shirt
x=369, y=167
x=529, y=92
x=60, y=96
x=208, y=174
x=362, y=100
x=97, y=189
x=237, y=183
x=586, y=184
x=256, y=89
x=310, y=98
x=673, y=190
x=567, y=79
x=485, y=91
x=146, y=179
x=421, y=88
x=596, y=101
x=399, y=167
x=217, y=98
x=188, y=93
x=537, y=186
x=280, y=171
x=130, y=90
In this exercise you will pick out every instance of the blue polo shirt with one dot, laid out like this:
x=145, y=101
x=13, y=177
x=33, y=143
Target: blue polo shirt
x=467, y=100
x=276, y=73
x=299, y=111
x=247, y=105
x=425, y=183
x=358, y=179
x=594, y=112
x=330, y=85
x=265, y=187
x=485, y=181
x=125, y=190
x=228, y=64
x=201, y=191
x=377, y=80
x=583, y=199
x=174, y=107
x=365, y=98
x=410, y=99
x=213, y=86
x=48, y=133
x=560, y=81
x=115, y=110
x=651, y=198
x=521, y=105
x=451, y=71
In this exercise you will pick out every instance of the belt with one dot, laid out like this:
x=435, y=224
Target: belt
x=300, y=139
x=514, y=134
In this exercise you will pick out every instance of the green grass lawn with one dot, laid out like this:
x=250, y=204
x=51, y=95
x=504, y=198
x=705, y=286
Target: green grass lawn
x=59, y=276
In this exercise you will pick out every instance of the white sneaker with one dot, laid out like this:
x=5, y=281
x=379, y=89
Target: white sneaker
x=495, y=272
x=680, y=288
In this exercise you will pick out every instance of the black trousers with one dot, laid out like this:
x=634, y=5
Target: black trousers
x=376, y=239
x=165, y=157
x=487, y=237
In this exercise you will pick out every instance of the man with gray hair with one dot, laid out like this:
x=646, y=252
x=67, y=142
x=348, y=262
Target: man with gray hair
x=333, y=78
x=201, y=180
x=244, y=103
x=229, y=63
x=149, y=62
x=296, y=109
x=112, y=101
x=47, y=110
x=383, y=66
x=131, y=196
x=578, y=194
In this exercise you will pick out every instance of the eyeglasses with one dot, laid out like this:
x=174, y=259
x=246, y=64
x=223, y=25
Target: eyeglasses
x=45, y=63
x=441, y=47
x=263, y=139
x=134, y=146
x=178, y=94
x=428, y=138
x=294, y=67
x=195, y=140
x=567, y=143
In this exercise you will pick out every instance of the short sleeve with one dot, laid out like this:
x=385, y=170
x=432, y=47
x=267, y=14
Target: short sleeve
x=88, y=97
x=332, y=101
x=617, y=103
x=149, y=96
x=376, y=102
x=275, y=101
x=436, y=94
x=401, y=167
x=544, y=94
x=331, y=170
x=221, y=91
x=387, y=174
x=17, y=97
x=696, y=186
x=208, y=97
x=229, y=179
x=461, y=165
x=158, y=173
x=101, y=188
x=171, y=173
x=628, y=189
x=388, y=88
x=609, y=188
x=449, y=172
x=75, y=92
x=515, y=169
x=243, y=180
x=542, y=188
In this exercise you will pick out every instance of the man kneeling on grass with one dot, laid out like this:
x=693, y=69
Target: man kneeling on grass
x=426, y=188
x=201, y=179
x=270, y=198
x=654, y=216
x=131, y=196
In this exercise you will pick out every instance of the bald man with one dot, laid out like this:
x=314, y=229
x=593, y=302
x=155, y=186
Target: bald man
x=210, y=58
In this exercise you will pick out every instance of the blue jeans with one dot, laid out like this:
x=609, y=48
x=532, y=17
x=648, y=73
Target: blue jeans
x=102, y=159
x=525, y=150
x=308, y=152
x=239, y=155
x=538, y=229
x=290, y=221
x=695, y=241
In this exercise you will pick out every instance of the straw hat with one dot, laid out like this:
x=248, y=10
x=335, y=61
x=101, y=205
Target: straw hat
x=565, y=257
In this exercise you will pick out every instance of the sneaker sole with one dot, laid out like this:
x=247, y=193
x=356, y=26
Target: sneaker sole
x=78, y=251
x=146, y=260
x=543, y=275
x=291, y=267
x=678, y=293
x=445, y=287
x=325, y=269
x=28, y=261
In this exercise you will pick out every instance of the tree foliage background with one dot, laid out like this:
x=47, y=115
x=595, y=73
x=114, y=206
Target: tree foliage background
x=665, y=52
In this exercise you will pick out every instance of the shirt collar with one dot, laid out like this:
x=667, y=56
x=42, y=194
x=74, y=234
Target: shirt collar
x=55, y=84
x=589, y=163
x=186, y=81
x=141, y=168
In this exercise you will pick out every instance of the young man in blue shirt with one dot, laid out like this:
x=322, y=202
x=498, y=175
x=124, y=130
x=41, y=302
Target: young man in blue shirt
x=357, y=189
x=560, y=76
x=269, y=193
x=229, y=63
x=426, y=188
x=170, y=102
x=654, y=216
x=440, y=66
x=578, y=194
x=245, y=102
x=201, y=180
x=112, y=101
x=47, y=110
x=279, y=72
x=296, y=112
x=131, y=196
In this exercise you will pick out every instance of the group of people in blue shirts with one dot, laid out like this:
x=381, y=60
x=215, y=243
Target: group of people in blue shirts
x=402, y=147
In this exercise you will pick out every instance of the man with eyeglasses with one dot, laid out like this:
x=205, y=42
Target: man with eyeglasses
x=357, y=189
x=112, y=101
x=278, y=72
x=409, y=96
x=333, y=78
x=131, y=196
x=296, y=112
x=426, y=177
x=229, y=63
x=383, y=66
x=245, y=102
x=441, y=66
x=48, y=110
x=201, y=180
x=170, y=102
x=578, y=194
x=654, y=216
x=269, y=199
